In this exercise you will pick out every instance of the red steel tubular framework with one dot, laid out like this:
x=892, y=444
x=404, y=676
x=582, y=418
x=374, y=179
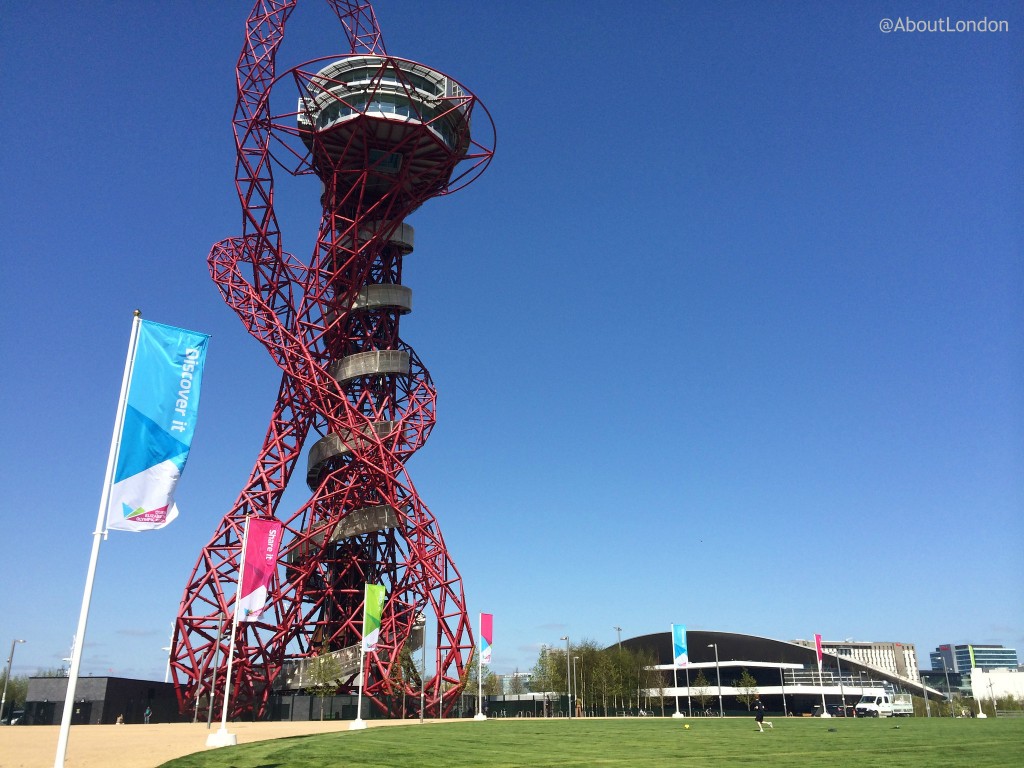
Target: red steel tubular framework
x=383, y=135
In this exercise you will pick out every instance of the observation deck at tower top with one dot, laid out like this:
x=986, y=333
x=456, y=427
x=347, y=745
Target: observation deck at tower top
x=369, y=85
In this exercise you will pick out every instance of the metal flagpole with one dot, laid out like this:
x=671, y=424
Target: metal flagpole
x=842, y=691
x=782, y=680
x=689, y=705
x=423, y=664
x=222, y=738
x=170, y=642
x=216, y=666
x=675, y=684
x=821, y=682
x=675, y=667
x=821, y=677
x=83, y=616
x=480, y=676
x=359, y=724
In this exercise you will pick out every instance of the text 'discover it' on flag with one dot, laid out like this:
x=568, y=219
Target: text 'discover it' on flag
x=157, y=426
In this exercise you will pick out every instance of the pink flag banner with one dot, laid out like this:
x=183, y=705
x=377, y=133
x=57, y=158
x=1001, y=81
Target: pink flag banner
x=817, y=647
x=486, y=636
x=261, y=548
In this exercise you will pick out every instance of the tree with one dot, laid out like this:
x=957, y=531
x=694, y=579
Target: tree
x=516, y=684
x=601, y=676
x=549, y=671
x=492, y=683
x=17, y=689
x=51, y=672
x=324, y=671
x=405, y=676
x=747, y=687
x=585, y=655
x=701, y=690
x=622, y=671
x=651, y=680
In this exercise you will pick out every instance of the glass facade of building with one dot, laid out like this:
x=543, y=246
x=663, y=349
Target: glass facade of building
x=964, y=658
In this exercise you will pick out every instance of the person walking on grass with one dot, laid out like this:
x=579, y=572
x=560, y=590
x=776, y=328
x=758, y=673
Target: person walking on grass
x=759, y=715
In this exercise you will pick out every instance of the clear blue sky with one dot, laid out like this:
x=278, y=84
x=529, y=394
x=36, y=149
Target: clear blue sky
x=729, y=334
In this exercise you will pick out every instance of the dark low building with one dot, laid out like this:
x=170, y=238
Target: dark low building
x=100, y=700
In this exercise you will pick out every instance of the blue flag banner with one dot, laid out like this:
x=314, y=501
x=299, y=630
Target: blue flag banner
x=157, y=427
x=679, y=653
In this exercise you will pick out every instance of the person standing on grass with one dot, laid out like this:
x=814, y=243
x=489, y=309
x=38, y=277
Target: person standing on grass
x=759, y=715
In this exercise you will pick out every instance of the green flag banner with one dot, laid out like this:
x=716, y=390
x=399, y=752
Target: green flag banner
x=373, y=607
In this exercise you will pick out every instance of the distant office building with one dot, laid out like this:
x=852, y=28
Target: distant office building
x=898, y=659
x=517, y=682
x=964, y=658
x=948, y=682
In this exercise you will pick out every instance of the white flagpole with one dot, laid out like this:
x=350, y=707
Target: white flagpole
x=101, y=520
x=359, y=724
x=675, y=669
x=480, y=675
x=821, y=682
x=222, y=738
x=170, y=644
x=675, y=684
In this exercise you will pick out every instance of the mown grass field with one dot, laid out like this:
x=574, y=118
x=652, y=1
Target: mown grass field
x=651, y=743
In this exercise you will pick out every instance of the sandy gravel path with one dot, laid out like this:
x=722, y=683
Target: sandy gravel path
x=141, y=746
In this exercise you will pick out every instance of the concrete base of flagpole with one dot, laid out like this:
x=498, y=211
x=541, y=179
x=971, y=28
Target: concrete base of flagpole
x=357, y=725
x=825, y=714
x=221, y=739
x=479, y=716
x=678, y=714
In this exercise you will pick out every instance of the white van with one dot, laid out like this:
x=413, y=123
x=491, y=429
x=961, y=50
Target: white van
x=882, y=704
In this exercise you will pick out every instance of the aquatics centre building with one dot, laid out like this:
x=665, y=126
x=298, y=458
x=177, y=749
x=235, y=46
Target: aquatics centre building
x=786, y=672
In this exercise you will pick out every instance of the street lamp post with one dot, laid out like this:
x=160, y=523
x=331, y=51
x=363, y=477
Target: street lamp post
x=7, y=679
x=718, y=674
x=568, y=680
x=618, y=632
x=949, y=694
x=842, y=692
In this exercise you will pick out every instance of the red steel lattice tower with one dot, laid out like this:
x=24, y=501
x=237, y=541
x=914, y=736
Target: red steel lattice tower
x=383, y=135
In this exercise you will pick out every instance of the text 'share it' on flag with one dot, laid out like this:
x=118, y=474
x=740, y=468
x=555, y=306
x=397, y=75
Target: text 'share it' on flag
x=261, y=547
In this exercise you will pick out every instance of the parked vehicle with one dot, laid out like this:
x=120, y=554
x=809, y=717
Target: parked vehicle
x=884, y=704
x=837, y=710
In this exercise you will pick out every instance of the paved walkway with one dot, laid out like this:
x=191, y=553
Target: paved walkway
x=141, y=746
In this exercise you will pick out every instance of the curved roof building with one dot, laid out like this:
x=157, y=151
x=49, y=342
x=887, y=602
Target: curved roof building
x=786, y=672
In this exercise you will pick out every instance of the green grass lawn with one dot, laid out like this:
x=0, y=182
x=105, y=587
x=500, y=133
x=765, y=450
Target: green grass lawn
x=651, y=743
